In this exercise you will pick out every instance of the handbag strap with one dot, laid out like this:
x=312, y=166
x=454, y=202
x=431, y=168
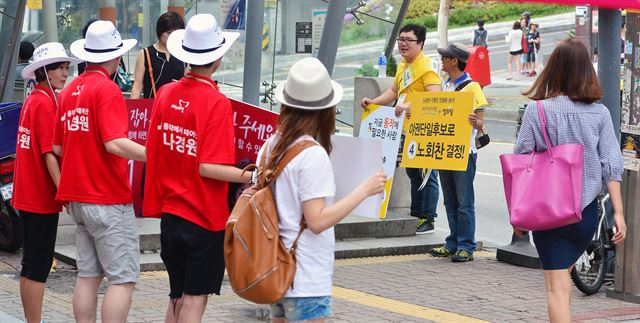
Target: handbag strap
x=544, y=127
x=153, y=83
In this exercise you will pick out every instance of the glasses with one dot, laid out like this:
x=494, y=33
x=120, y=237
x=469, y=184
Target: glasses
x=405, y=40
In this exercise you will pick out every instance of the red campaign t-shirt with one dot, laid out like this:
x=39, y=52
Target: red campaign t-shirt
x=33, y=189
x=92, y=111
x=188, y=114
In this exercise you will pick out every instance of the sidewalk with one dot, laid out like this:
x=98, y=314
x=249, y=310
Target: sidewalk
x=412, y=288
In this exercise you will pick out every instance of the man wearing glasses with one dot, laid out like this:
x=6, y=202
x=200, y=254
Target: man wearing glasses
x=415, y=74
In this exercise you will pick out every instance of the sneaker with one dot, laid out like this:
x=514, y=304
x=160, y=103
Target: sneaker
x=462, y=256
x=425, y=226
x=440, y=252
x=533, y=73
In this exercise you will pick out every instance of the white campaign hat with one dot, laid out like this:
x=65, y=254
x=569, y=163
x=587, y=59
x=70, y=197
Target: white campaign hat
x=46, y=54
x=309, y=87
x=102, y=43
x=202, y=42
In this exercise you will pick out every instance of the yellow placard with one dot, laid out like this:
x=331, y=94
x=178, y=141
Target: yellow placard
x=140, y=20
x=34, y=4
x=439, y=133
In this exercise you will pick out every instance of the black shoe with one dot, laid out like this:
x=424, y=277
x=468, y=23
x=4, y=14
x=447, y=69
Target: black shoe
x=462, y=256
x=425, y=226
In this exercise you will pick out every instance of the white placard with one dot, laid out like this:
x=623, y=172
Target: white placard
x=354, y=160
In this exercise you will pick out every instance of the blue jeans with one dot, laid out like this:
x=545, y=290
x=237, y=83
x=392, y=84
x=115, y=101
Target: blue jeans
x=302, y=308
x=459, y=201
x=423, y=203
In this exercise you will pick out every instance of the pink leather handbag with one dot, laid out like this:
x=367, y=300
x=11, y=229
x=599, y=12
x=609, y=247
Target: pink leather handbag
x=543, y=189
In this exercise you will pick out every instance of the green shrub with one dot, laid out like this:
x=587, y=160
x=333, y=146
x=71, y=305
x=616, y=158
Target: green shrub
x=367, y=69
x=392, y=66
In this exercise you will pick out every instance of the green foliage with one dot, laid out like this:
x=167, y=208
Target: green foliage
x=466, y=14
x=367, y=69
x=392, y=66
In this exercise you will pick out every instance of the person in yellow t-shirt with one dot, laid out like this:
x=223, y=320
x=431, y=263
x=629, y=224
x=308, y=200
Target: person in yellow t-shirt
x=457, y=186
x=415, y=74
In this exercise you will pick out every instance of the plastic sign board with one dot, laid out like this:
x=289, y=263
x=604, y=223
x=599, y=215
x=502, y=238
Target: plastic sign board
x=381, y=123
x=438, y=133
x=252, y=126
x=354, y=160
x=34, y=4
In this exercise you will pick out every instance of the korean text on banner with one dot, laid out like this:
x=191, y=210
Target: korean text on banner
x=380, y=122
x=139, y=118
x=253, y=126
x=439, y=132
x=353, y=161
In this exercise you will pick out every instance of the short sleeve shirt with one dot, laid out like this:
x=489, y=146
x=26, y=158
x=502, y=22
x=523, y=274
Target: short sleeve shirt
x=479, y=101
x=307, y=176
x=192, y=123
x=33, y=189
x=92, y=112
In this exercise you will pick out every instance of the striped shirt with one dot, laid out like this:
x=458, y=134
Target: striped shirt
x=582, y=123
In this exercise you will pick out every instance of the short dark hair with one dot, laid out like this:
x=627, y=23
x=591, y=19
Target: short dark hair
x=419, y=31
x=569, y=72
x=517, y=25
x=480, y=23
x=41, y=76
x=168, y=21
x=202, y=66
x=462, y=65
x=26, y=50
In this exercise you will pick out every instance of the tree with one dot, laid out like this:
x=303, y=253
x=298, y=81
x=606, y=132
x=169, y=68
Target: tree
x=443, y=22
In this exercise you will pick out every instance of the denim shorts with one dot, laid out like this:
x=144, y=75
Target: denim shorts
x=297, y=309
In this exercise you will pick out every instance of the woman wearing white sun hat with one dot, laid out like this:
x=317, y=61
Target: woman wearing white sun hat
x=185, y=186
x=91, y=134
x=37, y=173
x=306, y=188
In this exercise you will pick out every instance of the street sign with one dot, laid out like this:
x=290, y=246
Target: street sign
x=303, y=37
x=317, y=19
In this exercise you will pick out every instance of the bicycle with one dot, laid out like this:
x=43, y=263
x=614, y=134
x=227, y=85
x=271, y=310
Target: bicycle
x=591, y=270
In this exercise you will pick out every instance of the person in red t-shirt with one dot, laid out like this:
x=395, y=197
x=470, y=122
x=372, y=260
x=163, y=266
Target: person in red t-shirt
x=190, y=153
x=91, y=136
x=37, y=173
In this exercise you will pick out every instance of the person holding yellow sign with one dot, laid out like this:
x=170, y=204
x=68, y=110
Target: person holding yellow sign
x=415, y=74
x=457, y=186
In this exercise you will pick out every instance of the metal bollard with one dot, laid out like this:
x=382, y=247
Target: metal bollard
x=520, y=251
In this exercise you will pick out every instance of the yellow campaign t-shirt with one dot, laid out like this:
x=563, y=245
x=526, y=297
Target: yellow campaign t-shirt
x=414, y=77
x=479, y=101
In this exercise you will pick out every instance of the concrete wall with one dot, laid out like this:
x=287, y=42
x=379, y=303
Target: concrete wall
x=371, y=87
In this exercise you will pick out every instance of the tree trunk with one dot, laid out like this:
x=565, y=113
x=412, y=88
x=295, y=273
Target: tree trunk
x=443, y=23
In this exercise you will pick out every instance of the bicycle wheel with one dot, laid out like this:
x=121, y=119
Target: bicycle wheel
x=589, y=271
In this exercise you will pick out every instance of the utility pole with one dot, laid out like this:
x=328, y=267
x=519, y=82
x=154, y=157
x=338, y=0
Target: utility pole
x=50, y=21
x=253, y=53
x=443, y=23
x=331, y=33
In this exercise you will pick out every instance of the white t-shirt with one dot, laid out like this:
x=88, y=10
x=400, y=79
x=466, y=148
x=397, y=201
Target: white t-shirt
x=514, y=39
x=308, y=176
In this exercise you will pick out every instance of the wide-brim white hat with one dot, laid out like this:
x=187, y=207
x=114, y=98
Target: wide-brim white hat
x=309, y=87
x=102, y=43
x=202, y=42
x=46, y=54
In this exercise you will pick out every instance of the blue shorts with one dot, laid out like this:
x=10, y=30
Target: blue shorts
x=302, y=308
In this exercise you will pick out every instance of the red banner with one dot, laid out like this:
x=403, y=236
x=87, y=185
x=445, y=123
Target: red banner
x=253, y=126
x=618, y=4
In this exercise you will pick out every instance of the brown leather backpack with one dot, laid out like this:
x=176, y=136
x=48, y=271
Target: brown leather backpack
x=260, y=267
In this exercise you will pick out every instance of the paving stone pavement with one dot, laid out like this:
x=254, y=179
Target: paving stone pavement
x=413, y=288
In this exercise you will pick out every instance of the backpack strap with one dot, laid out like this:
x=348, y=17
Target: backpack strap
x=153, y=83
x=463, y=85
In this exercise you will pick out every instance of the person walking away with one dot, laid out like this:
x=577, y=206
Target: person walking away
x=415, y=74
x=190, y=158
x=91, y=136
x=457, y=186
x=524, y=58
x=514, y=39
x=480, y=35
x=154, y=65
x=569, y=94
x=37, y=174
x=24, y=54
x=533, y=41
x=305, y=188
